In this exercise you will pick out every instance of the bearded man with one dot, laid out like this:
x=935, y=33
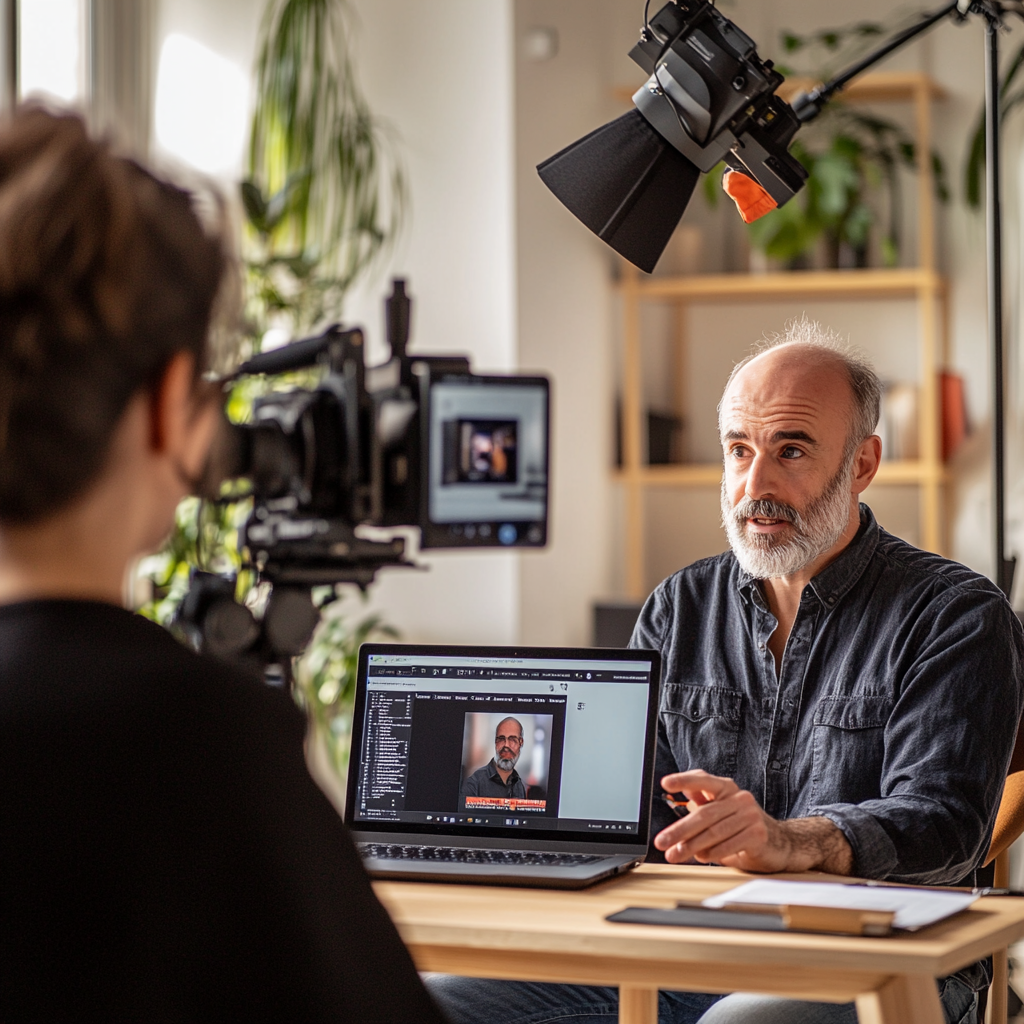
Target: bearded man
x=834, y=698
x=499, y=776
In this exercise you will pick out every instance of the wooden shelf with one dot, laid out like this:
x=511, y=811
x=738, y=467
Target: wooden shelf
x=922, y=284
x=897, y=282
x=709, y=474
x=874, y=87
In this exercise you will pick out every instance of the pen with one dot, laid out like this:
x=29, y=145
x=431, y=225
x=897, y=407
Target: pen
x=679, y=807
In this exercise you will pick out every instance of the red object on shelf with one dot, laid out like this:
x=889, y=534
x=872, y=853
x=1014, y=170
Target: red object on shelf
x=954, y=412
x=751, y=200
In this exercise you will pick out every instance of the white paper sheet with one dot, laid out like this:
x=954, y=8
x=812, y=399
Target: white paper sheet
x=914, y=908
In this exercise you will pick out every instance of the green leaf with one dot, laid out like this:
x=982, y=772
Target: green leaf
x=837, y=178
x=974, y=163
x=857, y=225
x=255, y=205
x=712, y=184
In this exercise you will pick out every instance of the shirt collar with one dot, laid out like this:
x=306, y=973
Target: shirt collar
x=836, y=579
x=513, y=778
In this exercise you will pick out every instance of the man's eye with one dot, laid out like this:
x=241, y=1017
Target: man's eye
x=790, y=452
x=738, y=452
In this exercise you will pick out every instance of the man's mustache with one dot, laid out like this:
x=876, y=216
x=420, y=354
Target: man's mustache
x=763, y=508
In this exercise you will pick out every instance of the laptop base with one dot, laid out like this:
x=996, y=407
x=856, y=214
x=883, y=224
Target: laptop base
x=541, y=877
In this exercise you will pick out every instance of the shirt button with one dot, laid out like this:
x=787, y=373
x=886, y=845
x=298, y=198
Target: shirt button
x=760, y=647
x=831, y=600
x=776, y=765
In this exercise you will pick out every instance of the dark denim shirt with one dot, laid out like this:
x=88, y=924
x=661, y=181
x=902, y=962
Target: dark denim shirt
x=487, y=781
x=894, y=714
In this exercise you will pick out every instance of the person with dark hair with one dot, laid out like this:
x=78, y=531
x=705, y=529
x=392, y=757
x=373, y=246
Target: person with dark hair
x=499, y=778
x=164, y=852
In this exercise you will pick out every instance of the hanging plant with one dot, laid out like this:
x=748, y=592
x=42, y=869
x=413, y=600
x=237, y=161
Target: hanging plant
x=325, y=194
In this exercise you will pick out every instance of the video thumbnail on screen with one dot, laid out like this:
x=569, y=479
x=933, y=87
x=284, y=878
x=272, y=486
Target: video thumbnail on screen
x=505, y=762
x=480, y=451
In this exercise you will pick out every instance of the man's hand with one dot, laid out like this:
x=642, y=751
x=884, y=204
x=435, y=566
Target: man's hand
x=726, y=825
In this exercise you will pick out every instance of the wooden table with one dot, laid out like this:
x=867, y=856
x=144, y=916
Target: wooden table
x=546, y=935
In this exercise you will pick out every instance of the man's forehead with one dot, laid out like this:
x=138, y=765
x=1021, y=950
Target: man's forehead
x=782, y=391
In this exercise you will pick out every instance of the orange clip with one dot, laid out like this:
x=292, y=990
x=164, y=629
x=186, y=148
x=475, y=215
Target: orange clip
x=751, y=200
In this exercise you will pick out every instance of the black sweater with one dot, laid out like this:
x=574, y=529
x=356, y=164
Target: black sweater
x=164, y=854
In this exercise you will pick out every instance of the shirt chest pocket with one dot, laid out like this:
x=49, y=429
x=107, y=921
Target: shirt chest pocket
x=849, y=748
x=703, y=726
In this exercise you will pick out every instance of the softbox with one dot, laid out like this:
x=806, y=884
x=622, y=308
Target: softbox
x=625, y=183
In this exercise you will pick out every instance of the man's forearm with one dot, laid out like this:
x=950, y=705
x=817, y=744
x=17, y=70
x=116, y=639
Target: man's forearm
x=814, y=844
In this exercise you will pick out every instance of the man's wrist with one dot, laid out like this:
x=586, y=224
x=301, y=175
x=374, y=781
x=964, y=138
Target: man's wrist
x=815, y=844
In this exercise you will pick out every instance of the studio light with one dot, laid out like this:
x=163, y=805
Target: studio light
x=709, y=98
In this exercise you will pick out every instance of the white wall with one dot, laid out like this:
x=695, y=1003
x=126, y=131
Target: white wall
x=565, y=318
x=227, y=28
x=441, y=73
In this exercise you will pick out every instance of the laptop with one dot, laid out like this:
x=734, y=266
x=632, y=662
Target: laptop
x=511, y=766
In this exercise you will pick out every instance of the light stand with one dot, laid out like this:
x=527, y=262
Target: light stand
x=993, y=208
x=809, y=105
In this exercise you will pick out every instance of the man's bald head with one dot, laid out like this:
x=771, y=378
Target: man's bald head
x=808, y=354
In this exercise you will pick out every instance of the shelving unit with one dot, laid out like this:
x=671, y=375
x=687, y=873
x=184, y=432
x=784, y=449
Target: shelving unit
x=922, y=284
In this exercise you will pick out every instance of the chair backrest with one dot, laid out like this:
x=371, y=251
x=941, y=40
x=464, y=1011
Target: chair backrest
x=1010, y=817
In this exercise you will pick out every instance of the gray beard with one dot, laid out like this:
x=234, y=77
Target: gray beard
x=818, y=528
x=506, y=764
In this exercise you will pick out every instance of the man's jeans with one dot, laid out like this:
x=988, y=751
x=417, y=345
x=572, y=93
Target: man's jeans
x=479, y=1001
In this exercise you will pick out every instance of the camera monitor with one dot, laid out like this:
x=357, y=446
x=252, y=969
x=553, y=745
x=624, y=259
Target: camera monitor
x=487, y=462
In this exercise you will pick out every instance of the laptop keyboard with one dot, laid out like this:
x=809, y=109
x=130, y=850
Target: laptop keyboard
x=462, y=855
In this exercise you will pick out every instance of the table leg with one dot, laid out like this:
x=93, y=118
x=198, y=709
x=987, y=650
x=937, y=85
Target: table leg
x=904, y=999
x=997, y=990
x=638, y=1005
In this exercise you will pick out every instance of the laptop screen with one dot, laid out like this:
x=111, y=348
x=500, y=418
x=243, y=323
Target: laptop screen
x=485, y=739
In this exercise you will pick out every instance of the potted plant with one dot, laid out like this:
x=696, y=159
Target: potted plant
x=853, y=161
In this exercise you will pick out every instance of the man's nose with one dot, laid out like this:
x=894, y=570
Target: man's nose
x=760, y=480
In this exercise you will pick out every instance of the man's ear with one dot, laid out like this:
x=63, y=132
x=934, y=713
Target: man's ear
x=865, y=463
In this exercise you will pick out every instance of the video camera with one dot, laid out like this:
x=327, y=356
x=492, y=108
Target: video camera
x=418, y=441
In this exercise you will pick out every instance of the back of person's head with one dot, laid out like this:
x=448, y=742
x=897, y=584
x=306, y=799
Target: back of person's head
x=106, y=273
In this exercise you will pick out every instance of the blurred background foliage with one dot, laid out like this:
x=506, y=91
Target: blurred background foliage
x=324, y=198
x=853, y=159
x=325, y=194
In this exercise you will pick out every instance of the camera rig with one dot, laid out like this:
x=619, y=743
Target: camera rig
x=418, y=441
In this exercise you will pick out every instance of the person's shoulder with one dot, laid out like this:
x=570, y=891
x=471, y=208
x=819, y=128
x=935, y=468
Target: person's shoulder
x=113, y=660
x=917, y=567
x=695, y=584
